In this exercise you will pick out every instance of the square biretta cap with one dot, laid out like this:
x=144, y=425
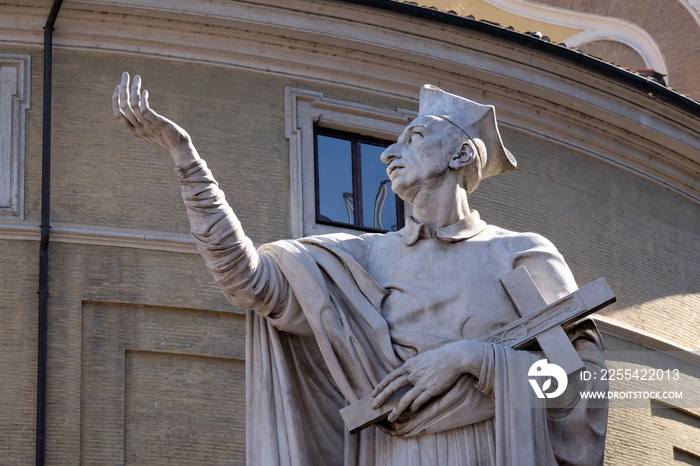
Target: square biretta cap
x=476, y=121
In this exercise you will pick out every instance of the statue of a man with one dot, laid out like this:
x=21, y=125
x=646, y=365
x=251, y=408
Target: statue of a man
x=339, y=317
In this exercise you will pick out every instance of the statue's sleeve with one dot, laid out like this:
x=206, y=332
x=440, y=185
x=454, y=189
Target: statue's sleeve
x=248, y=280
x=577, y=425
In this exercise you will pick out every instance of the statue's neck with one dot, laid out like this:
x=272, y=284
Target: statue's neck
x=441, y=207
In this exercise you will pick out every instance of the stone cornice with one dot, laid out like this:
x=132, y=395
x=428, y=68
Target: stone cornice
x=100, y=236
x=625, y=332
x=594, y=27
x=385, y=52
x=182, y=243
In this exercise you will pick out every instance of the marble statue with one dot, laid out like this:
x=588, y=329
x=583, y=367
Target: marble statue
x=337, y=318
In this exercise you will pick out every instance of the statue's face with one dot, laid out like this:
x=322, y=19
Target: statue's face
x=419, y=161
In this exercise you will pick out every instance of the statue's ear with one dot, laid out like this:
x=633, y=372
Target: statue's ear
x=465, y=156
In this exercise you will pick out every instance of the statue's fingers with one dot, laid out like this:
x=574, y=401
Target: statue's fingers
x=123, y=90
x=115, y=103
x=124, y=100
x=135, y=96
x=420, y=400
x=389, y=390
x=124, y=96
x=118, y=114
x=404, y=403
x=145, y=109
x=390, y=377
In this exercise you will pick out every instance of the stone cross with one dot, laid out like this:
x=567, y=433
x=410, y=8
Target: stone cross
x=527, y=300
x=540, y=322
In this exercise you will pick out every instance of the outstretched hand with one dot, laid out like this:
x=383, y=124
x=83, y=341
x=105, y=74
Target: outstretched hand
x=130, y=106
x=431, y=373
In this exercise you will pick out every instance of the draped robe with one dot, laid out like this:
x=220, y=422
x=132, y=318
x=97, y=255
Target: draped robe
x=332, y=315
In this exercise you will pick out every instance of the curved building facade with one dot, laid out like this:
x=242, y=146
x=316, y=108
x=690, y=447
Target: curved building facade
x=145, y=357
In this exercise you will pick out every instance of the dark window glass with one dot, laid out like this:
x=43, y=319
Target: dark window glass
x=378, y=200
x=352, y=187
x=335, y=193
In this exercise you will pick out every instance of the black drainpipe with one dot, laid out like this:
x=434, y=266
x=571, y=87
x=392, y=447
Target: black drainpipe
x=44, y=245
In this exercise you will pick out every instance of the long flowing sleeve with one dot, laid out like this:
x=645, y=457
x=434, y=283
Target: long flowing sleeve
x=247, y=279
x=576, y=425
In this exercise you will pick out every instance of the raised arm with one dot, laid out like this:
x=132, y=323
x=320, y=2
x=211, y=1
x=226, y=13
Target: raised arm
x=247, y=280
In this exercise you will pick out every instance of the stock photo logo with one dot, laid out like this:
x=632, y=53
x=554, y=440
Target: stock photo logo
x=544, y=372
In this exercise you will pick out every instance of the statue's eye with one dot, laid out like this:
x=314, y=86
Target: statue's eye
x=415, y=136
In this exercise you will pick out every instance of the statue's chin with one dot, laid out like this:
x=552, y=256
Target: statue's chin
x=403, y=194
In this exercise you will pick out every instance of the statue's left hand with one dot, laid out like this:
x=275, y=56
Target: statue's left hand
x=431, y=373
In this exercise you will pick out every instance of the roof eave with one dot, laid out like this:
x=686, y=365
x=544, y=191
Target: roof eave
x=624, y=76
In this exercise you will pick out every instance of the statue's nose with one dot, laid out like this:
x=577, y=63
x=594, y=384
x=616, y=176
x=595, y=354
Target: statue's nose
x=390, y=153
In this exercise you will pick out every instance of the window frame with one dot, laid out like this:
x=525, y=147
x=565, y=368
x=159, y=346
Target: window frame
x=355, y=140
x=303, y=110
x=14, y=101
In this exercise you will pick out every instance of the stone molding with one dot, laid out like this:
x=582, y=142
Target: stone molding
x=384, y=53
x=14, y=102
x=596, y=27
x=615, y=328
x=693, y=7
x=100, y=236
x=183, y=243
x=302, y=110
x=112, y=334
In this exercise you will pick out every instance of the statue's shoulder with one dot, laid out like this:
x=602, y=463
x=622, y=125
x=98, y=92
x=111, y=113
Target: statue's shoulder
x=516, y=241
x=358, y=246
x=341, y=239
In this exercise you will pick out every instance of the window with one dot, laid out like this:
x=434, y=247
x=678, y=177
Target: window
x=14, y=101
x=341, y=125
x=352, y=187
